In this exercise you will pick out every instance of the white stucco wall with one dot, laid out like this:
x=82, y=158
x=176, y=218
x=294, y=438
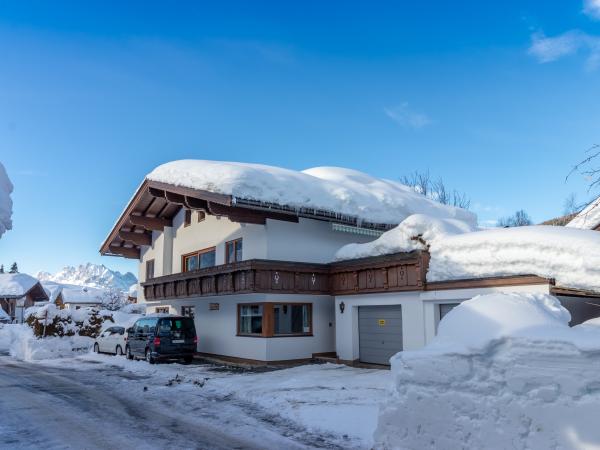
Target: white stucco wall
x=420, y=314
x=217, y=330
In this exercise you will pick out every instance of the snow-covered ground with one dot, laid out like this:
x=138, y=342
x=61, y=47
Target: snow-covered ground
x=331, y=405
x=504, y=371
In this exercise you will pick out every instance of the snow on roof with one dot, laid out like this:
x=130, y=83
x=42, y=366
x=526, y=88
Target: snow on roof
x=333, y=189
x=6, y=189
x=16, y=284
x=53, y=290
x=133, y=290
x=571, y=256
x=588, y=218
x=72, y=293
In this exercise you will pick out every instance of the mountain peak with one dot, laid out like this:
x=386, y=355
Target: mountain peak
x=92, y=275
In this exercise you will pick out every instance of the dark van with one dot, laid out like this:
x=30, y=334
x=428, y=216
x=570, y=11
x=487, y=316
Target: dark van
x=162, y=338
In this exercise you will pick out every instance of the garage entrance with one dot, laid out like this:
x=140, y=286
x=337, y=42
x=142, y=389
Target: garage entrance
x=379, y=333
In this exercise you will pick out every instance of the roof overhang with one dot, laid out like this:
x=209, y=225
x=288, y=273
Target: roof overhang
x=155, y=204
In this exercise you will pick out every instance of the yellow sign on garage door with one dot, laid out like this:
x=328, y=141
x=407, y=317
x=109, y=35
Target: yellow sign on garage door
x=381, y=322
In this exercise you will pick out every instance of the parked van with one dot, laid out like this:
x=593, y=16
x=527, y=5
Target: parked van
x=162, y=337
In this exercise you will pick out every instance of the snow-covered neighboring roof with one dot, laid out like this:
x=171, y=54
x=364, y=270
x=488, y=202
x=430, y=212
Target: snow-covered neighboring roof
x=6, y=189
x=588, y=218
x=74, y=294
x=570, y=256
x=333, y=189
x=133, y=291
x=16, y=284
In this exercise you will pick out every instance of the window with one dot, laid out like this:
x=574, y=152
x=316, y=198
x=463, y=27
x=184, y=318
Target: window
x=187, y=218
x=233, y=251
x=250, y=319
x=201, y=216
x=149, y=269
x=275, y=319
x=445, y=308
x=187, y=311
x=198, y=260
x=162, y=310
x=292, y=319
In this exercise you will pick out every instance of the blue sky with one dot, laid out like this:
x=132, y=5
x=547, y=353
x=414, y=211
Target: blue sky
x=498, y=98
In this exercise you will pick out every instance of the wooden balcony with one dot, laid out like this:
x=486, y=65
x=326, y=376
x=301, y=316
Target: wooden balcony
x=398, y=272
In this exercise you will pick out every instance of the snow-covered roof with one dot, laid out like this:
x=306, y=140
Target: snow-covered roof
x=133, y=291
x=588, y=218
x=570, y=256
x=53, y=290
x=16, y=284
x=333, y=189
x=73, y=293
x=6, y=189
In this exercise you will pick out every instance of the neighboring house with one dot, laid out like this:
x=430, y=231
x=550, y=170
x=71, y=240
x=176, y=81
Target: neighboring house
x=71, y=296
x=19, y=291
x=132, y=293
x=247, y=251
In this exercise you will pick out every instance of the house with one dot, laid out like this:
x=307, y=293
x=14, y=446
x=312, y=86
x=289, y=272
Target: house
x=71, y=296
x=19, y=291
x=252, y=253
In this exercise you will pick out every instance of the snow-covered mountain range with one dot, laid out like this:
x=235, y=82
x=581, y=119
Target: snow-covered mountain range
x=92, y=275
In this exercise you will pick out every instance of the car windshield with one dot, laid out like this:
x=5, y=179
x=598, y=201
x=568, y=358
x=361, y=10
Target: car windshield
x=179, y=325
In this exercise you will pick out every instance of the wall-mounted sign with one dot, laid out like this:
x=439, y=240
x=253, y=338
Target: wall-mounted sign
x=213, y=306
x=381, y=322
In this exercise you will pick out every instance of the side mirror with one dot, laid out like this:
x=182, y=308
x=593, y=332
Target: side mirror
x=130, y=330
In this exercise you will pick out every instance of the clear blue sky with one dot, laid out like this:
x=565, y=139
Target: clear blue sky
x=498, y=98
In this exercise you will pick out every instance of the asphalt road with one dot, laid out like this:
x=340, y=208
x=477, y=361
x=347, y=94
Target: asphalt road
x=60, y=408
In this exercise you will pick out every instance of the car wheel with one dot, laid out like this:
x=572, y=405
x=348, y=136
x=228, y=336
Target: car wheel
x=188, y=359
x=96, y=348
x=118, y=351
x=129, y=354
x=149, y=357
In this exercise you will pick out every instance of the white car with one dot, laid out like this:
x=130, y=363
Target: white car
x=111, y=340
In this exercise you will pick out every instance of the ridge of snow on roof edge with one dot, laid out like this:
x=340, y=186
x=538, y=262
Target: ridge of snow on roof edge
x=334, y=189
x=588, y=218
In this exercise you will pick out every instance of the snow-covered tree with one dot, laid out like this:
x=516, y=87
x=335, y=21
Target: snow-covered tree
x=518, y=219
x=571, y=206
x=113, y=299
x=14, y=268
x=6, y=204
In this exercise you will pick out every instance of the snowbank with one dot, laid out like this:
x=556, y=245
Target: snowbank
x=6, y=189
x=333, y=189
x=569, y=255
x=22, y=344
x=505, y=371
x=16, y=284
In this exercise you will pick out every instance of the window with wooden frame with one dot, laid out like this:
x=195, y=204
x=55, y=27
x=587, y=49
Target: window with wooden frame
x=187, y=218
x=149, y=269
x=201, y=216
x=198, y=260
x=233, y=251
x=274, y=319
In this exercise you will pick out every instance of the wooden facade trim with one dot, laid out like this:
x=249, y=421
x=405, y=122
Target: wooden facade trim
x=519, y=280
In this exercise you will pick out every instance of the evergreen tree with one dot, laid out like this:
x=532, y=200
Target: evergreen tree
x=1, y=268
x=14, y=268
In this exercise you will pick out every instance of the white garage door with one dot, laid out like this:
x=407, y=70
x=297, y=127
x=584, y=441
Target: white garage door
x=380, y=333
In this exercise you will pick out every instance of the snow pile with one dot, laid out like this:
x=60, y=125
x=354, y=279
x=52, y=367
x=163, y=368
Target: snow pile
x=505, y=371
x=16, y=284
x=332, y=189
x=410, y=235
x=569, y=255
x=588, y=218
x=6, y=189
x=22, y=344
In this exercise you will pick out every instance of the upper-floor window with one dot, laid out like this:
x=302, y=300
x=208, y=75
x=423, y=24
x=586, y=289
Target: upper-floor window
x=187, y=219
x=198, y=259
x=201, y=216
x=233, y=251
x=149, y=269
